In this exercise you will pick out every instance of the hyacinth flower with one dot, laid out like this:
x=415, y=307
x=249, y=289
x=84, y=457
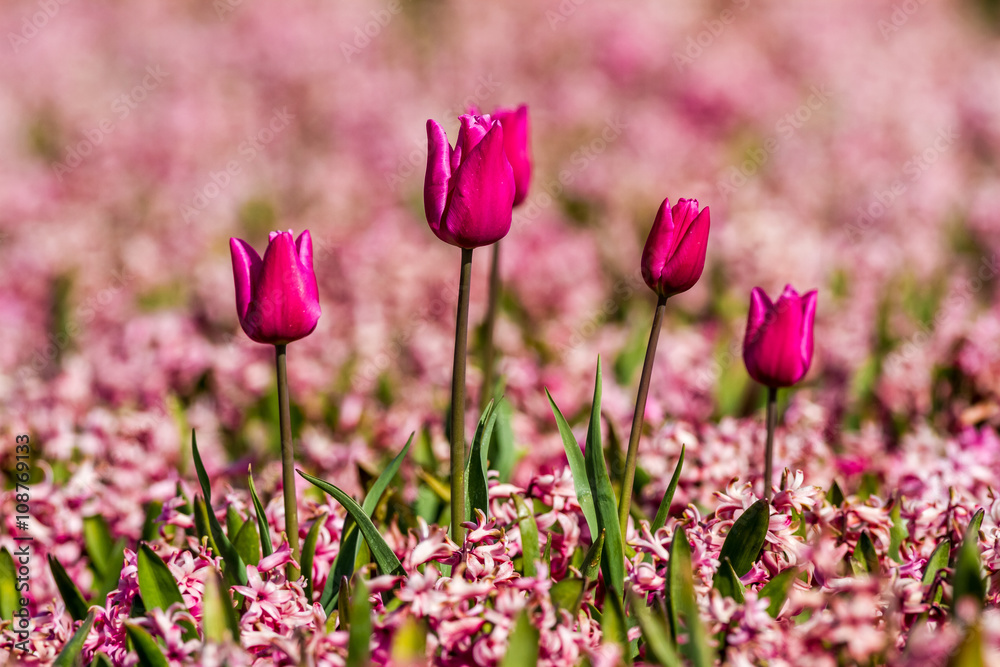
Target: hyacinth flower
x=518, y=151
x=468, y=200
x=277, y=302
x=672, y=262
x=777, y=351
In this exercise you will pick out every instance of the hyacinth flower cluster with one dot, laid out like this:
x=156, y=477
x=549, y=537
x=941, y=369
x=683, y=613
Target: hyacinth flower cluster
x=551, y=571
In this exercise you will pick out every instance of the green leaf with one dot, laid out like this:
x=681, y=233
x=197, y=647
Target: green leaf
x=727, y=583
x=937, y=562
x=234, y=522
x=605, y=503
x=201, y=525
x=384, y=556
x=661, y=514
x=898, y=532
x=247, y=543
x=655, y=633
x=683, y=605
x=476, y=488
x=835, y=495
x=970, y=652
x=777, y=589
x=967, y=579
x=592, y=559
x=502, y=452
x=218, y=618
x=523, y=648
x=309, y=553
x=70, y=654
x=101, y=660
x=152, y=510
x=76, y=605
x=613, y=626
x=234, y=565
x=746, y=537
x=360, y=629
x=9, y=598
x=98, y=543
x=158, y=586
x=529, y=537
x=145, y=647
x=566, y=592
x=258, y=509
x=343, y=565
x=409, y=645
x=577, y=466
x=865, y=555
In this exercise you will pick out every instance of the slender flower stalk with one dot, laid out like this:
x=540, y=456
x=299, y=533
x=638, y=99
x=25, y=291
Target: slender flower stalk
x=631, y=455
x=772, y=421
x=458, y=401
x=672, y=262
x=287, y=463
x=489, y=352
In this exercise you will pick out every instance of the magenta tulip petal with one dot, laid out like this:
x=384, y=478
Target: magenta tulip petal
x=778, y=345
x=674, y=255
x=277, y=298
x=438, y=174
x=468, y=199
x=516, y=147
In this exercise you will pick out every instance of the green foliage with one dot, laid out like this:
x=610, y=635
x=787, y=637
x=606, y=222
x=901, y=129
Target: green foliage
x=247, y=543
x=360, y=628
x=727, y=583
x=219, y=621
x=529, y=537
x=898, y=532
x=157, y=585
x=70, y=654
x=668, y=496
x=309, y=553
x=967, y=580
x=502, y=452
x=476, y=489
x=683, y=604
x=523, y=648
x=76, y=604
x=235, y=570
x=937, y=562
x=605, y=503
x=9, y=597
x=746, y=537
x=655, y=632
x=265, y=535
x=577, y=466
x=145, y=647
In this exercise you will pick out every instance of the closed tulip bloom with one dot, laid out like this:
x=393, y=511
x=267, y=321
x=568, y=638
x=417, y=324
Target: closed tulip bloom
x=515, y=146
x=778, y=347
x=468, y=189
x=674, y=255
x=276, y=297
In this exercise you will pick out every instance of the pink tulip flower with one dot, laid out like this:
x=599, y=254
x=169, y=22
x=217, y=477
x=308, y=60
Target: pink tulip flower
x=674, y=255
x=778, y=347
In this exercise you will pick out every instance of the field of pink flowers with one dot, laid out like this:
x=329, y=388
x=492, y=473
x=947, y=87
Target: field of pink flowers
x=851, y=148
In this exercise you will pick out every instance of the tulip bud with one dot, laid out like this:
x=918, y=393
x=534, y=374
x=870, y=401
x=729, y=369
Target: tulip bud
x=515, y=146
x=276, y=298
x=674, y=255
x=778, y=346
x=468, y=189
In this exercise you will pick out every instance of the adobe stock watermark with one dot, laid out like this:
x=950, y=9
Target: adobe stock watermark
x=224, y=8
x=365, y=33
x=695, y=45
x=786, y=127
x=562, y=12
x=248, y=149
x=913, y=169
x=416, y=158
x=900, y=16
x=544, y=196
x=34, y=24
x=57, y=342
x=121, y=107
x=986, y=272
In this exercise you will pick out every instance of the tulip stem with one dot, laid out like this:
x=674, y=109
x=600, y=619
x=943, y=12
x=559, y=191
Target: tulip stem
x=772, y=420
x=287, y=463
x=625, y=502
x=458, y=402
x=489, y=352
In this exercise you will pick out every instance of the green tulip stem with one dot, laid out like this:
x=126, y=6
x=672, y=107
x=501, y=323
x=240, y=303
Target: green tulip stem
x=772, y=420
x=458, y=402
x=489, y=352
x=628, y=477
x=287, y=463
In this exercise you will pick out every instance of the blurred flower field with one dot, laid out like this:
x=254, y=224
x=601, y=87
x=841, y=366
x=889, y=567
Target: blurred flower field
x=848, y=148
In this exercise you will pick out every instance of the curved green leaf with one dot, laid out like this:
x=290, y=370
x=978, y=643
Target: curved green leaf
x=655, y=632
x=522, y=649
x=258, y=509
x=247, y=543
x=777, y=589
x=10, y=601
x=309, y=553
x=727, y=583
x=360, y=629
x=605, y=503
x=218, y=618
x=234, y=565
x=668, y=496
x=145, y=647
x=156, y=583
x=70, y=655
x=476, y=487
x=577, y=466
x=746, y=537
x=529, y=537
x=683, y=604
x=76, y=605
x=967, y=580
x=937, y=561
x=384, y=556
